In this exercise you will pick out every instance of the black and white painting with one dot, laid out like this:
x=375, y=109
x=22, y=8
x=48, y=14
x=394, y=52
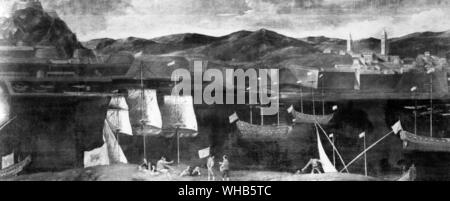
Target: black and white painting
x=224, y=90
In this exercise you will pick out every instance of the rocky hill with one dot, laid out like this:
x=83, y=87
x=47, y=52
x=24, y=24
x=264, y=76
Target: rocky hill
x=32, y=26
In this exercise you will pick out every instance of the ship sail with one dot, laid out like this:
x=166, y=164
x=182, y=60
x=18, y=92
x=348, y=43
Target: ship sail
x=4, y=108
x=7, y=161
x=96, y=157
x=178, y=111
x=144, y=112
x=115, y=152
x=117, y=116
x=327, y=166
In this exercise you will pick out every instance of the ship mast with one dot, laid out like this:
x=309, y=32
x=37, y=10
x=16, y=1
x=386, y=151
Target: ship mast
x=431, y=105
x=142, y=109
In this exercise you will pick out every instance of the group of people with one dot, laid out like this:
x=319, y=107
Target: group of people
x=224, y=168
x=163, y=166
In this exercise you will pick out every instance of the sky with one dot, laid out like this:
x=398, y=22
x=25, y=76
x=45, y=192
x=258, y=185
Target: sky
x=91, y=19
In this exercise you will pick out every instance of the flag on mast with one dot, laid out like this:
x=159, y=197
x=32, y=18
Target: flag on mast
x=331, y=135
x=290, y=109
x=204, y=152
x=234, y=117
x=335, y=108
x=397, y=127
x=362, y=135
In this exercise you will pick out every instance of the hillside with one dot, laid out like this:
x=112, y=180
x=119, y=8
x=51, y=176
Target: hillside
x=438, y=43
x=160, y=45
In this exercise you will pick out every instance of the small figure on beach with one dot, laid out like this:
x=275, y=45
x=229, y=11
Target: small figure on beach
x=210, y=166
x=144, y=165
x=315, y=164
x=189, y=171
x=163, y=165
x=225, y=168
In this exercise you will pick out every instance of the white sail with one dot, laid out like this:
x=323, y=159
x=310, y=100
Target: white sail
x=144, y=113
x=96, y=157
x=7, y=161
x=179, y=111
x=4, y=108
x=118, y=116
x=119, y=121
x=115, y=152
x=118, y=102
x=327, y=166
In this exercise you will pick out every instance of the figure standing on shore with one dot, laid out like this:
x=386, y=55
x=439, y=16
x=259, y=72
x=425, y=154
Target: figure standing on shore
x=225, y=168
x=210, y=166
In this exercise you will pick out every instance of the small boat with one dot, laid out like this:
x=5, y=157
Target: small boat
x=308, y=118
x=15, y=169
x=414, y=142
x=251, y=131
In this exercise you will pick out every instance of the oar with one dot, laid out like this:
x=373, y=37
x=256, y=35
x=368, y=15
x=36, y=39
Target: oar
x=370, y=147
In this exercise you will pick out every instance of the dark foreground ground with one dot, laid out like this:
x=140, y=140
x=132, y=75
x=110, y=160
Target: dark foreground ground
x=129, y=172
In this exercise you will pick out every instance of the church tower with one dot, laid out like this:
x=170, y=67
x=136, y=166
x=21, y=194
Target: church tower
x=349, y=43
x=384, y=44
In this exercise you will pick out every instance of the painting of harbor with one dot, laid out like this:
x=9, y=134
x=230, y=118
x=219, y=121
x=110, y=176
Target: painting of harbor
x=240, y=90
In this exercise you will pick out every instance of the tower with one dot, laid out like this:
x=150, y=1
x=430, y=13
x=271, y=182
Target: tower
x=384, y=44
x=349, y=43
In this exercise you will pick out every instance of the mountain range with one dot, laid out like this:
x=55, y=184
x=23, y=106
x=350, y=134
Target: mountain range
x=269, y=47
x=262, y=47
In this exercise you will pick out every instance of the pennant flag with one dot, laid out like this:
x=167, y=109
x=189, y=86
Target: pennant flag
x=413, y=89
x=431, y=70
x=397, y=127
x=171, y=63
x=335, y=108
x=234, y=117
x=331, y=135
x=290, y=109
x=363, y=134
x=7, y=160
x=204, y=152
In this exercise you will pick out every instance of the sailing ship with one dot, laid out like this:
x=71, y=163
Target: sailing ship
x=260, y=132
x=179, y=117
x=414, y=142
x=116, y=122
x=145, y=115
